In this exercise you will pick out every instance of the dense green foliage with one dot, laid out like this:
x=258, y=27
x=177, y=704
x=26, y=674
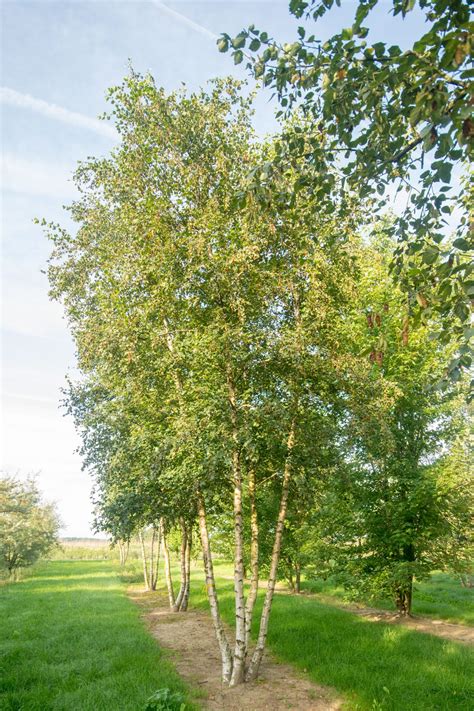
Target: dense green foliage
x=28, y=526
x=70, y=639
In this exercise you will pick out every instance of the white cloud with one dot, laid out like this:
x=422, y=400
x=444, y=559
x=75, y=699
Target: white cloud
x=35, y=177
x=58, y=113
x=185, y=20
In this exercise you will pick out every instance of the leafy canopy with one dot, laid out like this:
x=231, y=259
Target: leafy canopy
x=382, y=117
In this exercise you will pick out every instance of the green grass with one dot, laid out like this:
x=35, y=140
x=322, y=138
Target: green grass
x=442, y=597
x=70, y=640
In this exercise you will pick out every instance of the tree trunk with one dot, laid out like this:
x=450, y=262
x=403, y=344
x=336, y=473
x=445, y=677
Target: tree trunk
x=254, y=562
x=152, y=575
x=403, y=599
x=185, y=600
x=166, y=554
x=144, y=559
x=254, y=667
x=224, y=646
x=238, y=671
x=158, y=550
x=184, y=543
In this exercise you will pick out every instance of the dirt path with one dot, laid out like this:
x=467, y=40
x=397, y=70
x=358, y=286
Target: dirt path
x=440, y=628
x=192, y=640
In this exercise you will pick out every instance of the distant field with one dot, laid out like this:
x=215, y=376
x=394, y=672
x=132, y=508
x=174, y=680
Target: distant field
x=70, y=640
x=91, y=549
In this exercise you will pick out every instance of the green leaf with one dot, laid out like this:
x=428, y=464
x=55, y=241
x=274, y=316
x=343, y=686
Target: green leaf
x=239, y=41
x=430, y=255
x=462, y=244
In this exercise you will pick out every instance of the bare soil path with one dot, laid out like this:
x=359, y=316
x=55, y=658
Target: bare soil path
x=191, y=639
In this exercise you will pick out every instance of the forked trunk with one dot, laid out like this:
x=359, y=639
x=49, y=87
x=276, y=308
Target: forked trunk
x=144, y=560
x=257, y=656
x=403, y=600
x=224, y=647
x=253, y=592
x=166, y=553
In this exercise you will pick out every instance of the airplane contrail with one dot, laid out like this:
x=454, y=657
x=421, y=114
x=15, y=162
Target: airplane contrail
x=185, y=20
x=12, y=97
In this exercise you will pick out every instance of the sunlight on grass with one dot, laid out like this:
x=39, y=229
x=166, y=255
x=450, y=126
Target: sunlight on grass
x=71, y=640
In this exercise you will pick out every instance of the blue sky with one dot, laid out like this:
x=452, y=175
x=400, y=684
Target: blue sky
x=58, y=58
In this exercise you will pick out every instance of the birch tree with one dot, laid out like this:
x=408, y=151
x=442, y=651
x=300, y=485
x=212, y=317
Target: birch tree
x=213, y=321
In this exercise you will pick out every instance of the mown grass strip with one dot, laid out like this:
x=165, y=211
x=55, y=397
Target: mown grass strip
x=71, y=640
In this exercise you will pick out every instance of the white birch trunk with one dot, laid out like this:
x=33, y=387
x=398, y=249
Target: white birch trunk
x=238, y=671
x=182, y=587
x=166, y=554
x=185, y=600
x=254, y=562
x=224, y=646
x=158, y=550
x=144, y=559
x=152, y=560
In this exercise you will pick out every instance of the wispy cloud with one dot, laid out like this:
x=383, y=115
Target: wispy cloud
x=58, y=113
x=184, y=20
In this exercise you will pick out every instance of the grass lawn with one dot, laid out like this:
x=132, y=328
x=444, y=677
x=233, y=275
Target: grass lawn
x=442, y=597
x=71, y=640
